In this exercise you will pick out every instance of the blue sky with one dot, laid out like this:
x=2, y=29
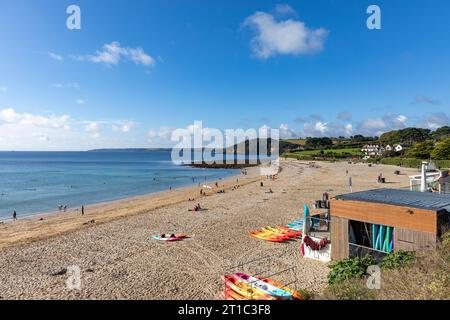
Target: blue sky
x=139, y=69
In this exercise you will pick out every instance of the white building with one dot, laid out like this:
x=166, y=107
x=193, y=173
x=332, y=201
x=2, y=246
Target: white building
x=372, y=150
x=395, y=147
x=398, y=148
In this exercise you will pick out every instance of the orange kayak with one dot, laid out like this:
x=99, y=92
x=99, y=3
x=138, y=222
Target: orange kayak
x=242, y=289
x=264, y=236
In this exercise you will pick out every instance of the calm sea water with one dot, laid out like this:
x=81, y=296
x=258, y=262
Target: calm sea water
x=37, y=182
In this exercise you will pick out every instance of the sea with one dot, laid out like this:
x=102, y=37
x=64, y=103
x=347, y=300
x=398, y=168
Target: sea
x=38, y=182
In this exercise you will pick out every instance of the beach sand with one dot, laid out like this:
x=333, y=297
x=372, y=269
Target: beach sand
x=119, y=260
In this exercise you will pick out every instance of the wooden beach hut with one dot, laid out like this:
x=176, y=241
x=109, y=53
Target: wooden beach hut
x=385, y=220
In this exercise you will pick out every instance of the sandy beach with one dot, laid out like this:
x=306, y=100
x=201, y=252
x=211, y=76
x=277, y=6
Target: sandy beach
x=112, y=242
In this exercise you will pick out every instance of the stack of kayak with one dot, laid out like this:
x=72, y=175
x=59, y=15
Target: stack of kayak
x=286, y=233
x=241, y=286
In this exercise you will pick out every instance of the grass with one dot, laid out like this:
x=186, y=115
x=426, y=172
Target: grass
x=324, y=154
x=300, y=142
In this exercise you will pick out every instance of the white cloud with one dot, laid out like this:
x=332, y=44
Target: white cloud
x=112, y=53
x=288, y=37
x=402, y=118
x=42, y=137
x=162, y=137
x=55, y=56
x=80, y=101
x=124, y=127
x=435, y=121
x=348, y=129
x=330, y=129
x=10, y=116
x=286, y=132
x=3, y=89
x=27, y=131
x=93, y=128
x=373, y=124
x=70, y=85
x=285, y=10
x=321, y=127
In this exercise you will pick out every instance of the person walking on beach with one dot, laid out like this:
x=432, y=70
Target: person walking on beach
x=350, y=184
x=65, y=208
x=14, y=215
x=82, y=210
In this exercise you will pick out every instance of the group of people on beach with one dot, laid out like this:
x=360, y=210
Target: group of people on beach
x=62, y=208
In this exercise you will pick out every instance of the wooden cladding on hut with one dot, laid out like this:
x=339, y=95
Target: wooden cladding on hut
x=386, y=214
x=417, y=220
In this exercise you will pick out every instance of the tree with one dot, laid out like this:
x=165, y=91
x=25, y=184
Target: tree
x=441, y=133
x=421, y=150
x=318, y=143
x=407, y=136
x=442, y=150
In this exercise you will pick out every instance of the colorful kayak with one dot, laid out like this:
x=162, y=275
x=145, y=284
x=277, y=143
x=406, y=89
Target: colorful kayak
x=290, y=231
x=269, y=233
x=264, y=286
x=243, y=289
x=277, y=232
x=295, y=294
x=266, y=237
x=229, y=294
x=295, y=227
x=176, y=237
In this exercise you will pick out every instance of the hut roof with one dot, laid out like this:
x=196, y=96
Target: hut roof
x=399, y=197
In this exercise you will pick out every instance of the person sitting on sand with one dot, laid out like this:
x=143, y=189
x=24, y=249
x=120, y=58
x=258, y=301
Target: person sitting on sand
x=198, y=206
x=270, y=190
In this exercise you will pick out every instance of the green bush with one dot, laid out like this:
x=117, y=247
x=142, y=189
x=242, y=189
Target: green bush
x=349, y=268
x=442, y=150
x=397, y=260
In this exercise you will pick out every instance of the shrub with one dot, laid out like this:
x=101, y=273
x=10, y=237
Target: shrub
x=397, y=260
x=349, y=268
x=442, y=150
